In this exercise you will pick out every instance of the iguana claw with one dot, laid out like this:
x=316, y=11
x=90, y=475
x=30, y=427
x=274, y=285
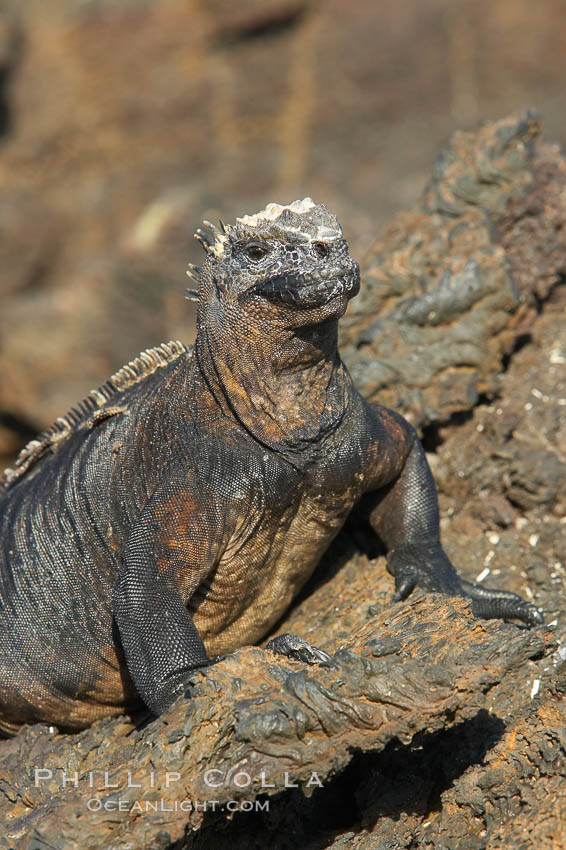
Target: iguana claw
x=295, y=647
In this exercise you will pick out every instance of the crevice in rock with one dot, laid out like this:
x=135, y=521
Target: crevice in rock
x=540, y=302
x=431, y=436
x=11, y=43
x=400, y=781
x=521, y=341
x=5, y=111
x=269, y=25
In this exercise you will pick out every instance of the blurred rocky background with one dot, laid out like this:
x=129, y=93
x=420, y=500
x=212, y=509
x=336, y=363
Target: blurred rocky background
x=124, y=122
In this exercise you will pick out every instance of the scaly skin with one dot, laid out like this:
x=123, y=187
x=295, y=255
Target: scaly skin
x=173, y=516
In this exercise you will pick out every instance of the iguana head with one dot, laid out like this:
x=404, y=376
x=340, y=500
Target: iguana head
x=271, y=290
x=285, y=266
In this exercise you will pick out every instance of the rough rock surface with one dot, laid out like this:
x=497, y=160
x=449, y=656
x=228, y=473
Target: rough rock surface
x=446, y=732
x=429, y=665
x=451, y=284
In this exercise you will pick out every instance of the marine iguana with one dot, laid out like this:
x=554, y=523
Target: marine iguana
x=172, y=515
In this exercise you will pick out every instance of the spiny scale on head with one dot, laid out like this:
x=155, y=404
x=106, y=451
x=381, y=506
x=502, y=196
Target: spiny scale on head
x=141, y=367
x=205, y=239
x=213, y=229
x=213, y=241
x=194, y=272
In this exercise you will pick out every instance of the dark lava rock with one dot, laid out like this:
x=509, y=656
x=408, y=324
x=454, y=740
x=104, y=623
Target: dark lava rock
x=253, y=724
x=452, y=284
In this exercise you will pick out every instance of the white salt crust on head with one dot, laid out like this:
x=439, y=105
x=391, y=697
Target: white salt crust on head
x=273, y=211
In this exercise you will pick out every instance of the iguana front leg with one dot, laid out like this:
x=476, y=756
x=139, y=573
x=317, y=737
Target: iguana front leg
x=169, y=548
x=405, y=517
x=160, y=640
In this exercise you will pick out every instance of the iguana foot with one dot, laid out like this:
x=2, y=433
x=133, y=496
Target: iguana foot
x=295, y=647
x=430, y=568
x=489, y=603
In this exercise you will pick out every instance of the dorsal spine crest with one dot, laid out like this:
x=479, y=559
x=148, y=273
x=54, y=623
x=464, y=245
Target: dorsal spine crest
x=138, y=369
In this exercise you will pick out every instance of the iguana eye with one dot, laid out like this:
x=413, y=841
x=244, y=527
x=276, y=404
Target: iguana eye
x=321, y=248
x=257, y=250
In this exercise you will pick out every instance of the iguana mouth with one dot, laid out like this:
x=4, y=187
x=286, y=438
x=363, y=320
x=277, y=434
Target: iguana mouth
x=308, y=290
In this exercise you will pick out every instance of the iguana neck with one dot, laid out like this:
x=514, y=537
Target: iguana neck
x=288, y=393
